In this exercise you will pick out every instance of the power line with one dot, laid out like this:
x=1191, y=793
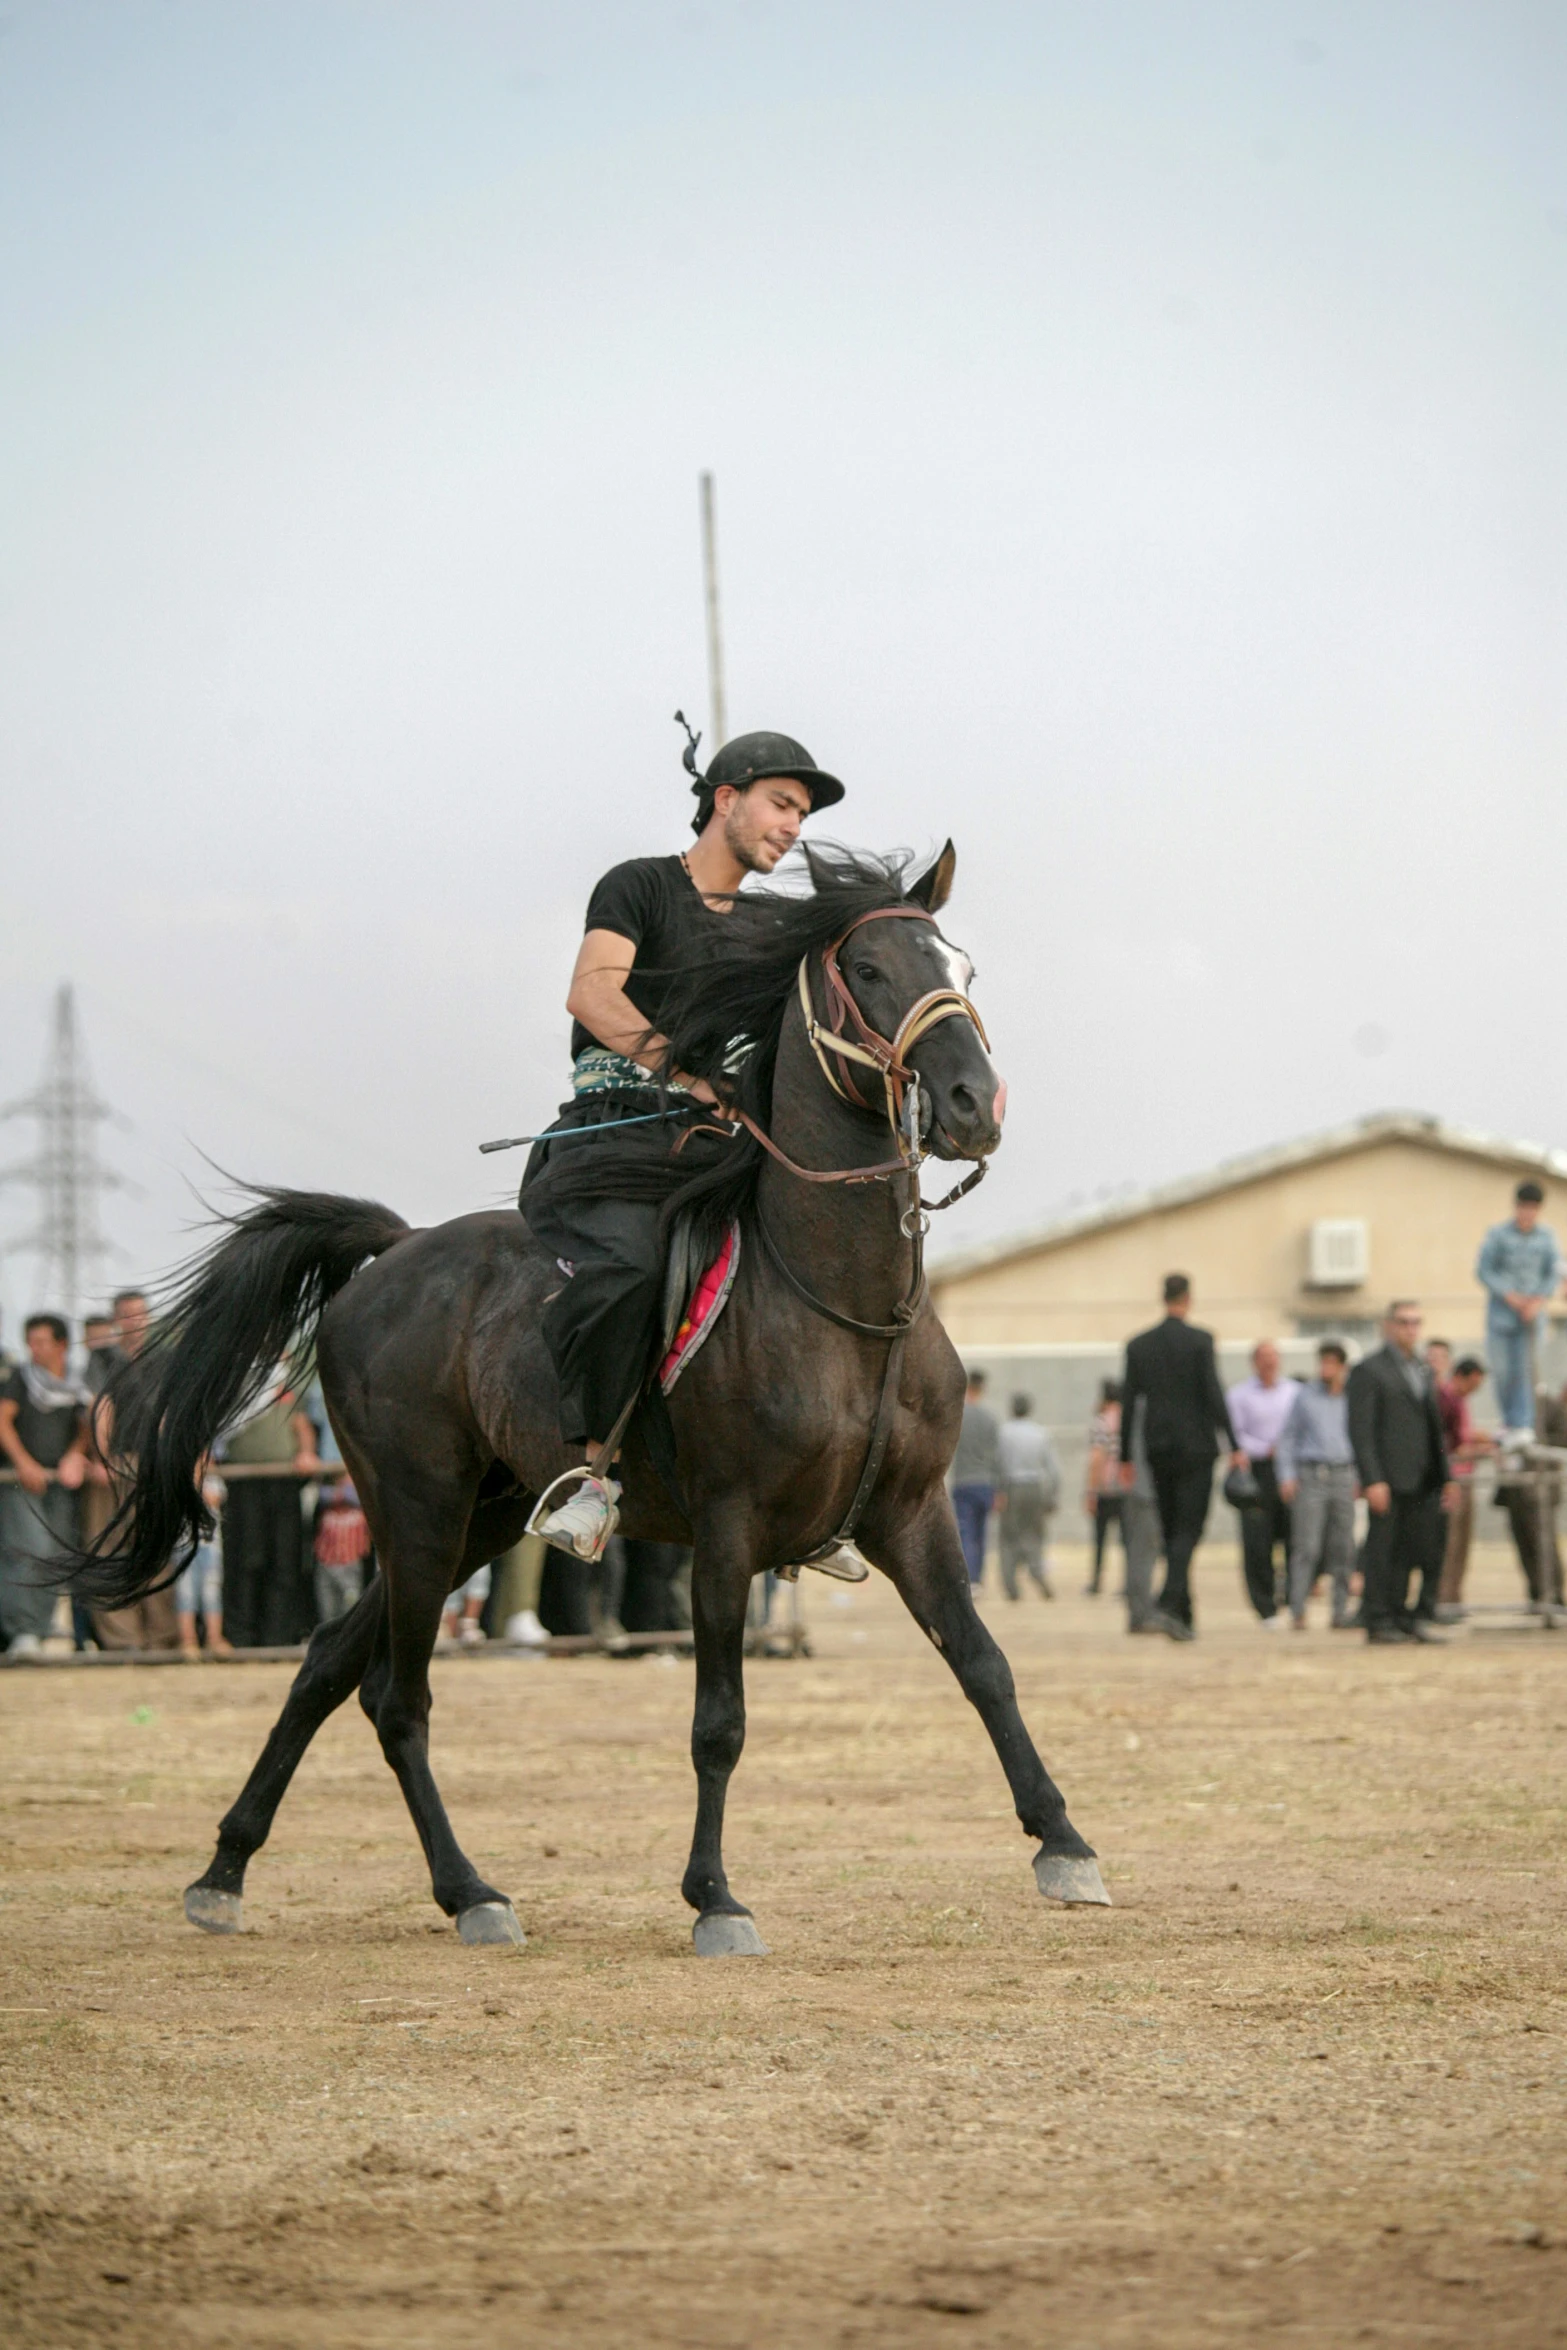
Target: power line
x=65, y=1170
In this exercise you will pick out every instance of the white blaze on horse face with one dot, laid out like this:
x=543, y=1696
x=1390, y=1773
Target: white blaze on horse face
x=957, y=970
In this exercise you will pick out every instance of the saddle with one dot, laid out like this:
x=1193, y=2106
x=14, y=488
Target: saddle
x=695, y=1294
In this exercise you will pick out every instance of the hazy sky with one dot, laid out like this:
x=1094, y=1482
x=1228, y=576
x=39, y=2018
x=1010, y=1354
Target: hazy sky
x=1139, y=440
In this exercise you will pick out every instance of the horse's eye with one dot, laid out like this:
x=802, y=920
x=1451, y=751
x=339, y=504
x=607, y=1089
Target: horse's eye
x=866, y=971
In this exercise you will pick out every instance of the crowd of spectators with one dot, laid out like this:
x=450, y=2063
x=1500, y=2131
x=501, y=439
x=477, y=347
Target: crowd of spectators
x=1006, y=1471
x=291, y=1548
x=1395, y=1432
x=1360, y=1479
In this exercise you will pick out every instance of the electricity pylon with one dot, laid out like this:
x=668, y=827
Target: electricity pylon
x=65, y=1171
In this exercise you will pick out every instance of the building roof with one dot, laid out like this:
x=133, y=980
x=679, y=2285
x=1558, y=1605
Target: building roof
x=1230, y=1174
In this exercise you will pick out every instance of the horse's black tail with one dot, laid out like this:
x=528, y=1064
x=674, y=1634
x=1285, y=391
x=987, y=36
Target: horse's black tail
x=248, y=1303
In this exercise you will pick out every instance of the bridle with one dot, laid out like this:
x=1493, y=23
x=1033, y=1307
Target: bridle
x=888, y=1056
x=866, y=1048
x=873, y=1051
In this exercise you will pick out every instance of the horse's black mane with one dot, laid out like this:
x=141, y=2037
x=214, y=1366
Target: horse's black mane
x=723, y=1017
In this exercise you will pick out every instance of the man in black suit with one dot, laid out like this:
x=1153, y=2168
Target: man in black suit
x=1171, y=1370
x=1395, y=1427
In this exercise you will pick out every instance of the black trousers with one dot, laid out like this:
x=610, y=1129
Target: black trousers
x=1107, y=1513
x=1409, y=1536
x=268, y=1592
x=652, y=1599
x=603, y=1322
x=1184, y=1485
x=564, y=1594
x=1543, y=1574
x=1263, y=1530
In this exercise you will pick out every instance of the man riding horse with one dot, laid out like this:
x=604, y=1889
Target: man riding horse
x=821, y=1409
x=647, y=922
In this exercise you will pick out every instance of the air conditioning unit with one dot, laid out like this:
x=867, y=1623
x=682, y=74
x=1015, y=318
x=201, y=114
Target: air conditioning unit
x=1338, y=1252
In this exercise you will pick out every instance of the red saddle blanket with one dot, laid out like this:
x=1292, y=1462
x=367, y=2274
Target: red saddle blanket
x=708, y=1301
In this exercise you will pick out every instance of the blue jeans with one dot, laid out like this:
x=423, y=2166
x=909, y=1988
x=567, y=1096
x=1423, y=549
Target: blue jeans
x=32, y=1532
x=1510, y=1345
x=973, y=1503
x=199, y=1590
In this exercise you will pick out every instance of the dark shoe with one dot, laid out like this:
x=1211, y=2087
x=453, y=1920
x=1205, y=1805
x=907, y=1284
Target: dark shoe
x=1170, y=1626
x=1388, y=1636
x=1423, y=1631
x=1354, y=1623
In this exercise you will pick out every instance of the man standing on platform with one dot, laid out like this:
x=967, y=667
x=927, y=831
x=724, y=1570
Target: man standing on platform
x=1259, y=1408
x=1396, y=1430
x=1520, y=1269
x=1171, y=1370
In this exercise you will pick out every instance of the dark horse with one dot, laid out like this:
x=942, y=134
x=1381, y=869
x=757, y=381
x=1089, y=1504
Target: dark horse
x=442, y=1394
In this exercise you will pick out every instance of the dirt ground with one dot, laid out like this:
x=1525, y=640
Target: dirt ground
x=1304, y=2082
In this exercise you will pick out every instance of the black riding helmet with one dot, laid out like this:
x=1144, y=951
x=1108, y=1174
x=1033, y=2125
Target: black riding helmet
x=751, y=756
x=747, y=758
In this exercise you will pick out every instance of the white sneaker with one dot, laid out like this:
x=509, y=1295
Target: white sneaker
x=1277, y=1622
x=584, y=1524
x=524, y=1630
x=26, y=1644
x=844, y=1565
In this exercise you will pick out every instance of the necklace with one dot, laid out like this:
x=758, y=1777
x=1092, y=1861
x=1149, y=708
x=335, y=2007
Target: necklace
x=717, y=901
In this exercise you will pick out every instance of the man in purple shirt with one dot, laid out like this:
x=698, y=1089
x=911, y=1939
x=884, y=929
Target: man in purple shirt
x=1259, y=1407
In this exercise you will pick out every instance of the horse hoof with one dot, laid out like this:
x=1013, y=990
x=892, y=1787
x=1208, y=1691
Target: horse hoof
x=214, y=1913
x=723, y=1935
x=491, y=1921
x=1077, y=1884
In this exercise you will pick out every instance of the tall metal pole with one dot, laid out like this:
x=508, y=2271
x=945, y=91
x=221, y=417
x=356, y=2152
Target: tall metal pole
x=65, y=1171
x=718, y=717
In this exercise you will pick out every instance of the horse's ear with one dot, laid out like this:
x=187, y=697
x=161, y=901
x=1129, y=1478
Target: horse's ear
x=934, y=885
x=821, y=873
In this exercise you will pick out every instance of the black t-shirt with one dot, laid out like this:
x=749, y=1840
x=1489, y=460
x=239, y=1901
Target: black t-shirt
x=48, y=1436
x=654, y=902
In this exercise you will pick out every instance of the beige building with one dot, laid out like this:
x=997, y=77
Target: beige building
x=1310, y=1237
